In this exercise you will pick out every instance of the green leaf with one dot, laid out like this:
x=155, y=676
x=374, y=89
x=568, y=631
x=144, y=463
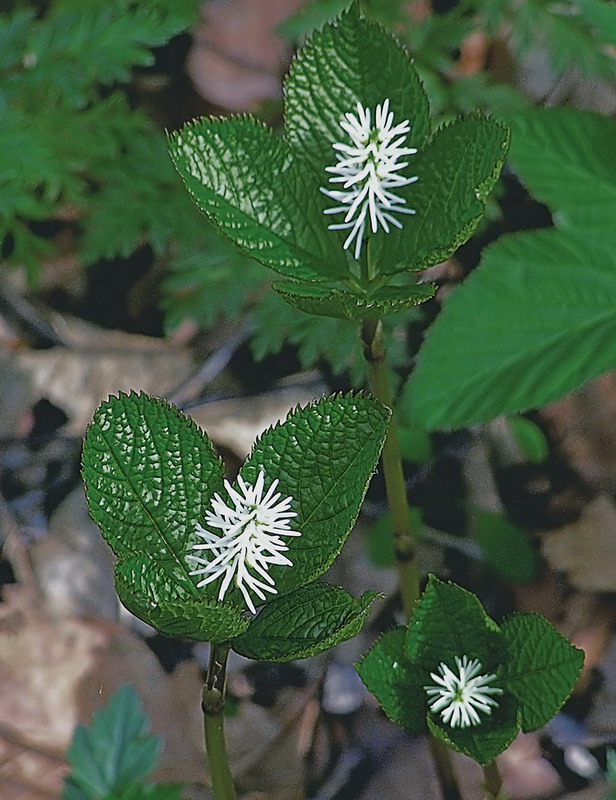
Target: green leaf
x=576, y=174
x=530, y=439
x=312, y=15
x=248, y=181
x=506, y=547
x=351, y=60
x=486, y=741
x=113, y=751
x=312, y=619
x=449, y=621
x=149, y=474
x=541, y=670
x=145, y=589
x=456, y=172
x=544, y=301
x=332, y=301
x=395, y=681
x=323, y=456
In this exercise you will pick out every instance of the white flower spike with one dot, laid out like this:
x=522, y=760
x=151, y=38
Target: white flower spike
x=368, y=169
x=249, y=539
x=459, y=697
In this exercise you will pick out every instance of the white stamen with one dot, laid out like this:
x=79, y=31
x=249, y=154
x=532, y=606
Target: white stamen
x=459, y=697
x=368, y=168
x=249, y=540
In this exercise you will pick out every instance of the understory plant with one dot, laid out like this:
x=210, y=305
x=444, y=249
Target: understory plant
x=349, y=205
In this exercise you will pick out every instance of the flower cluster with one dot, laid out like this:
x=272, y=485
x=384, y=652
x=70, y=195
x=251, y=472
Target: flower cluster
x=249, y=540
x=368, y=169
x=459, y=697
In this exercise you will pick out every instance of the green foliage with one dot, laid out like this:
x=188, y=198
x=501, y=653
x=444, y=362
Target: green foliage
x=312, y=619
x=70, y=144
x=323, y=456
x=248, y=181
x=112, y=755
x=264, y=193
x=506, y=547
x=325, y=339
x=544, y=300
x=541, y=668
x=530, y=439
x=532, y=663
x=332, y=301
x=150, y=474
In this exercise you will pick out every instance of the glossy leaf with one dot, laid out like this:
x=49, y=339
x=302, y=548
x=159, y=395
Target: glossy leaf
x=145, y=589
x=350, y=60
x=323, y=456
x=395, y=681
x=541, y=670
x=312, y=619
x=149, y=474
x=113, y=751
x=456, y=171
x=449, y=622
x=248, y=181
x=331, y=301
x=486, y=741
x=544, y=301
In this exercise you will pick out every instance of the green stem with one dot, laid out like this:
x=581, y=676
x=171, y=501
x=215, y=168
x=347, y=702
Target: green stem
x=493, y=783
x=213, y=703
x=443, y=764
x=404, y=539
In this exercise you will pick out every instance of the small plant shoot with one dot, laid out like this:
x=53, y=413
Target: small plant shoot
x=472, y=683
x=359, y=194
x=196, y=554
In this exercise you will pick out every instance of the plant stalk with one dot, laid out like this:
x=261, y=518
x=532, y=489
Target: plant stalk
x=493, y=783
x=441, y=758
x=404, y=539
x=213, y=703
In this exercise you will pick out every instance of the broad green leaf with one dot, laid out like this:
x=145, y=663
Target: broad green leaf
x=533, y=322
x=395, y=681
x=506, y=547
x=145, y=589
x=113, y=751
x=149, y=473
x=323, y=456
x=449, y=621
x=312, y=619
x=602, y=16
x=576, y=173
x=456, y=171
x=248, y=181
x=351, y=60
x=487, y=740
x=541, y=670
x=332, y=301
